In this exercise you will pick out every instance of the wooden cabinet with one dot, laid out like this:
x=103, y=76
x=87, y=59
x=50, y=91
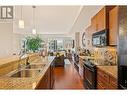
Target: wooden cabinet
x=105, y=81
x=113, y=26
x=101, y=20
x=112, y=83
x=94, y=23
x=45, y=81
x=102, y=79
x=52, y=78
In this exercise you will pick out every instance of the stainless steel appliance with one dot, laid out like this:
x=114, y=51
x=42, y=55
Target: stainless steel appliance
x=89, y=75
x=122, y=48
x=100, y=38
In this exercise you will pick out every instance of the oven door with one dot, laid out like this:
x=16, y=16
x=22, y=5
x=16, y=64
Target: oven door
x=96, y=41
x=89, y=77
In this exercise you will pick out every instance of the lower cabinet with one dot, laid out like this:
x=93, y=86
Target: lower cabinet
x=47, y=80
x=105, y=81
x=52, y=78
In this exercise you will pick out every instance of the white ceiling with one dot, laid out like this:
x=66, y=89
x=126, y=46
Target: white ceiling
x=84, y=18
x=48, y=20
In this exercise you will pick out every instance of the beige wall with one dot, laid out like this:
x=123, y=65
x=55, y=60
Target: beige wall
x=5, y=39
x=9, y=42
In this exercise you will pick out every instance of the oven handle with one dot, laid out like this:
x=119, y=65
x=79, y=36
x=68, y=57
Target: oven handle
x=88, y=68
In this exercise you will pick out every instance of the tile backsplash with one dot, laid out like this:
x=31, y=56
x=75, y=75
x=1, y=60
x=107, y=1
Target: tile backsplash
x=106, y=53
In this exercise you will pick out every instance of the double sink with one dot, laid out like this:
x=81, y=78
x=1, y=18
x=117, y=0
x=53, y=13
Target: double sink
x=28, y=71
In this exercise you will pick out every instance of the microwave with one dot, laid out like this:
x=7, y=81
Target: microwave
x=100, y=38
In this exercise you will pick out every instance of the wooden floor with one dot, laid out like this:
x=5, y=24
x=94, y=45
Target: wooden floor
x=67, y=78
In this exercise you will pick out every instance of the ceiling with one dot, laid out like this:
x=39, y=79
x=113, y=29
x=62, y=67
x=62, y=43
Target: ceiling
x=48, y=19
x=84, y=18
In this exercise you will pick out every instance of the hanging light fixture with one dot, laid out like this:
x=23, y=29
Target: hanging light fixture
x=21, y=21
x=34, y=29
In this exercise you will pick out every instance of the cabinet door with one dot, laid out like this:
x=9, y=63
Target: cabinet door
x=113, y=26
x=52, y=79
x=48, y=78
x=101, y=20
x=112, y=83
x=43, y=83
x=102, y=79
x=94, y=23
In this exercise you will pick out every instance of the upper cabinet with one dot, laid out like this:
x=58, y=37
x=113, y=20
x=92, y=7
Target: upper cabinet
x=113, y=26
x=94, y=23
x=106, y=18
x=101, y=20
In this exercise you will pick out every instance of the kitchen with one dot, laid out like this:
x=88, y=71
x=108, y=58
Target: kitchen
x=93, y=54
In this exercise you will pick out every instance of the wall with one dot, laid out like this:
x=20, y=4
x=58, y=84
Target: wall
x=16, y=43
x=9, y=42
x=5, y=39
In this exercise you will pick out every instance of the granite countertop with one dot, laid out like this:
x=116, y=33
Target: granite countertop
x=7, y=82
x=110, y=69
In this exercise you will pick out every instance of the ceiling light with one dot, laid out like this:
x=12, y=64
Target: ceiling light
x=21, y=24
x=34, y=31
x=21, y=21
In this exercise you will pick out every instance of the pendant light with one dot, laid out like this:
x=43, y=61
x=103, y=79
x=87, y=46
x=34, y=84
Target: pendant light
x=21, y=21
x=34, y=29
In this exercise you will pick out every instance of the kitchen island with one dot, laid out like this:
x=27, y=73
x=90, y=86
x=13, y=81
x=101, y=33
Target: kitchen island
x=41, y=79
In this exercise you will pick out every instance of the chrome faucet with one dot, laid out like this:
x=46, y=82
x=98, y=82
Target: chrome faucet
x=21, y=54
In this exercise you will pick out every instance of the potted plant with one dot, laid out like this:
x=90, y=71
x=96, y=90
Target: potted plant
x=33, y=43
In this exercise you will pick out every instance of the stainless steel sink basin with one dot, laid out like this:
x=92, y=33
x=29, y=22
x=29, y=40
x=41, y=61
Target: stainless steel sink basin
x=26, y=73
x=35, y=66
